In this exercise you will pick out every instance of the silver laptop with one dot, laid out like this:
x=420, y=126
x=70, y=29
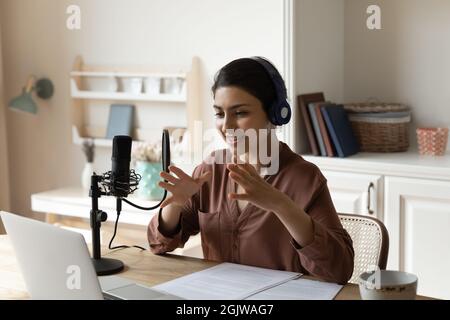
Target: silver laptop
x=56, y=264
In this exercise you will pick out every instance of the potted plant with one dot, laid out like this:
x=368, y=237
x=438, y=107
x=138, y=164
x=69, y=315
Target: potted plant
x=147, y=157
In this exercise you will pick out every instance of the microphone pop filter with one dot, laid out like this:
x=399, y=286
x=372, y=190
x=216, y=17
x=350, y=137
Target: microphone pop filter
x=165, y=150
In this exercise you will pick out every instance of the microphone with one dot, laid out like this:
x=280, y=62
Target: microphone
x=119, y=182
x=120, y=171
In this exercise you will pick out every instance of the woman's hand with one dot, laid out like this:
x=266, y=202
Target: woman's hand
x=182, y=187
x=257, y=190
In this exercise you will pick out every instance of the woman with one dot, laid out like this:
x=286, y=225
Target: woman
x=283, y=221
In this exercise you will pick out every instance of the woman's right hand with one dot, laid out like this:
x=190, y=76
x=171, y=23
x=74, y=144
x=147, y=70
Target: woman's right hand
x=182, y=186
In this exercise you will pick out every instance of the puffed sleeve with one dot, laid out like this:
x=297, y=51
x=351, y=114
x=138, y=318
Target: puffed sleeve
x=160, y=240
x=330, y=256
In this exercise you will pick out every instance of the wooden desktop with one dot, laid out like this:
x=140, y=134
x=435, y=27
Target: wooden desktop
x=140, y=266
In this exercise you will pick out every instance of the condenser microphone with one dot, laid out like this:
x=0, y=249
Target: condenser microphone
x=120, y=171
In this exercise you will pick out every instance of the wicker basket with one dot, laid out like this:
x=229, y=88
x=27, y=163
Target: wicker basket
x=380, y=134
x=375, y=107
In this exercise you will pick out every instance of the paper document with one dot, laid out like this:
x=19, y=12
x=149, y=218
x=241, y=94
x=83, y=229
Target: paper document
x=300, y=289
x=226, y=281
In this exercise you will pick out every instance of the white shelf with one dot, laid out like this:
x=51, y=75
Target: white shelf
x=99, y=95
x=99, y=142
x=125, y=74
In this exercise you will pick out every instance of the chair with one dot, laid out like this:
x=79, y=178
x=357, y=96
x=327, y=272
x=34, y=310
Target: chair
x=370, y=242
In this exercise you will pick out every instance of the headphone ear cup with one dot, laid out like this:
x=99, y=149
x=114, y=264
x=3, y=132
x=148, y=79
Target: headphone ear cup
x=281, y=113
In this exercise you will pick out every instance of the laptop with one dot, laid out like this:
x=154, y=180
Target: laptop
x=56, y=265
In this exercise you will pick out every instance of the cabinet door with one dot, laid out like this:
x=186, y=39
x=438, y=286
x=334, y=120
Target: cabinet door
x=356, y=193
x=417, y=216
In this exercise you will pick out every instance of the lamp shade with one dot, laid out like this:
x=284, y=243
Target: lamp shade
x=23, y=103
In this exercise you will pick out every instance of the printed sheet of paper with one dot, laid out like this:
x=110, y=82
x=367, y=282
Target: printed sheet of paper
x=300, y=289
x=225, y=281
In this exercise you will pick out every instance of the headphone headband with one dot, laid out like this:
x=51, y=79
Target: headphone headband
x=280, y=110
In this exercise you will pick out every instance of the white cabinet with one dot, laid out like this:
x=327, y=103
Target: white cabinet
x=412, y=195
x=356, y=193
x=417, y=216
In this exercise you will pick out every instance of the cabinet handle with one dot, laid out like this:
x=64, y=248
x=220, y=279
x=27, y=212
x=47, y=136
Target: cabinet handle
x=371, y=186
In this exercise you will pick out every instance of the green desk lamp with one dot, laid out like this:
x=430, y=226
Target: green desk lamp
x=44, y=89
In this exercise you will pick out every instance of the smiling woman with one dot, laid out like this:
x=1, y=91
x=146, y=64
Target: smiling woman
x=284, y=220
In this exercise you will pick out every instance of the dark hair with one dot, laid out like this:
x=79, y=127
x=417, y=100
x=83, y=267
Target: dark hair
x=249, y=75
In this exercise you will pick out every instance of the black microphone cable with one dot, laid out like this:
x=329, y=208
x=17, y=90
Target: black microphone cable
x=146, y=208
x=119, y=209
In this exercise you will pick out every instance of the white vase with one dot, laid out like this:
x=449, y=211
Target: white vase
x=86, y=175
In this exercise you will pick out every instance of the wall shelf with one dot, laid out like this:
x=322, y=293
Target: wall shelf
x=126, y=74
x=78, y=139
x=122, y=96
x=87, y=105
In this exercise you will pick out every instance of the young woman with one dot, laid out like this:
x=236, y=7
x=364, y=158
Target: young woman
x=283, y=221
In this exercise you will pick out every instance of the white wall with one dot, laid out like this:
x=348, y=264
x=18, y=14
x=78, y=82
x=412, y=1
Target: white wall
x=319, y=38
x=407, y=61
x=157, y=33
x=4, y=176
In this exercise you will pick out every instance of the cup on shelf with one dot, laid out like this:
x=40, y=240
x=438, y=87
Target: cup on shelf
x=152, y=85
x=101, y=84
x=172, y=85
x=131, y=85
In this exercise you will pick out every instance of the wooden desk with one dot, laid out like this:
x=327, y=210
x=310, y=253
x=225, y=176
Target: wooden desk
x=141, y=266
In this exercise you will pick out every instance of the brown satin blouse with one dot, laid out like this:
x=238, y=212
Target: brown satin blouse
x=257, y=237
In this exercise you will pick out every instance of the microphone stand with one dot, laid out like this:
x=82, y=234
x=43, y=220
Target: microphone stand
x=106, y=266
x=103, y=266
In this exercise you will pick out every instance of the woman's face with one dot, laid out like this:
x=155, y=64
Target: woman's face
x=235, y=109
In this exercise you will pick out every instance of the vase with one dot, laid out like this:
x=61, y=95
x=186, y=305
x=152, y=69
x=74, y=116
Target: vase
x=148, y=188
x=86, y=175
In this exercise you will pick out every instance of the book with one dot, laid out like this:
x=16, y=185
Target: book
x=230, y=281
x=329, y=146
x=303, y=101
x=340, y=130
x=315, y=123
x=120, y=120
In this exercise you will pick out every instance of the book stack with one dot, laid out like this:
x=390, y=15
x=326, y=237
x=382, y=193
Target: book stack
x=328, y=128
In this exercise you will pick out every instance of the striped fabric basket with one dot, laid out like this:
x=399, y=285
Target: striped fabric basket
x=380, y=127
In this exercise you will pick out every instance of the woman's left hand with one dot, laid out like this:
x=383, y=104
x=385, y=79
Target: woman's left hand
x=257, y=190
